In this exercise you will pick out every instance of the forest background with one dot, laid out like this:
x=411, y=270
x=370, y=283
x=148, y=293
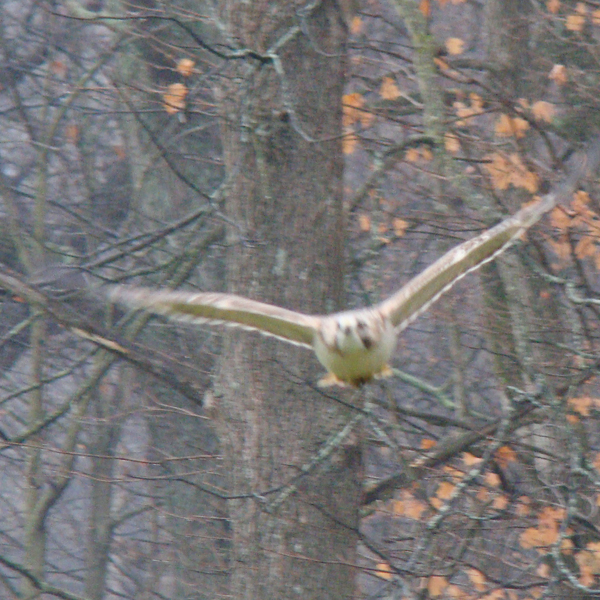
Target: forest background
x=314, y=154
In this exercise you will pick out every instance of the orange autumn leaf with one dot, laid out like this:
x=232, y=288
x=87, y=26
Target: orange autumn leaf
x=417, y=154
x=455, y=46
x=58, y=67
x=388, y=89
x=436, y=585
x=441, y=64
x=72, y=133
x=353, y=110
x=596, y=17
x=453, y=591
x=364, y=223
x=451, y=143
x=426, y=154
x=543, y=571
x=383, y=570
x=507, y=126
x=581, y=405
x=558, y=74
x=549, y=514
x=580, y=202
x=492, y=479
x=483, y=495
x=476, y=102
x=366, y=118
x=588, y=561
x=174, y=98
x=436, y=503
x=349, y=142
x=455, y=474
x=427, y=444
x=445, y=490
x=553, y=6
x=523, y=507
x=561, y=248
x=560, y=219
x=499, y=170
x=520, y=126
x=425, y=7
x=567, y=546
x=351, y=102
x=543, y=111
x=546, y=532
x=356, y=25
x=185, y=66
x=500, y=502
x=575, y=22
x=510, y=170
x=522, y=177
x=412, y=155
x=505, y=455
x=470, y=460
x=408, y=506
x=477, y=579
x=464, y=111
x=400, y=226
x=495, y=595
x=531, y=538
x=586, y=575
x=585, y=247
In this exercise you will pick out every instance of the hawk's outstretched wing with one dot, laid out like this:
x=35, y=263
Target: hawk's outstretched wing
x=226, y=309
x=419, y=293
x=354, y=346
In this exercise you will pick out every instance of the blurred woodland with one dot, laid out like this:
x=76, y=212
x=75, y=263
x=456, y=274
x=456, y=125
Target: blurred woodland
x=316, y=154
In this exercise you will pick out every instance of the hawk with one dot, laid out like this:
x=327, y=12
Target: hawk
x=355, y=345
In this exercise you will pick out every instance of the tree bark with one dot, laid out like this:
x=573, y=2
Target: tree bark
x=282, y=146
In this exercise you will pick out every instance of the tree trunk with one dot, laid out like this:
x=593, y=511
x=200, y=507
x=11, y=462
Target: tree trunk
x=286, y=246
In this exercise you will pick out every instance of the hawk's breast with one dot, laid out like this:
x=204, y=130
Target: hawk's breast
x=355, y=346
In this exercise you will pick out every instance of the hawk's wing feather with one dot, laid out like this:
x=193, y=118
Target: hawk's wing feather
x=228, y=309
x=418, y=294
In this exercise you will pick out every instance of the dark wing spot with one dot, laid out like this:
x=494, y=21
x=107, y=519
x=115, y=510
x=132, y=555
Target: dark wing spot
x=367, y=341
x=362, y=330
x=361, y=381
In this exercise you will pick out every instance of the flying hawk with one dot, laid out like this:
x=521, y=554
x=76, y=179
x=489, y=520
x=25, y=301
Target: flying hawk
x=354, y=346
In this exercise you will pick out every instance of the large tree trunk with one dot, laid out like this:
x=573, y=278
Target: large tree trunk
x=285, y=247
